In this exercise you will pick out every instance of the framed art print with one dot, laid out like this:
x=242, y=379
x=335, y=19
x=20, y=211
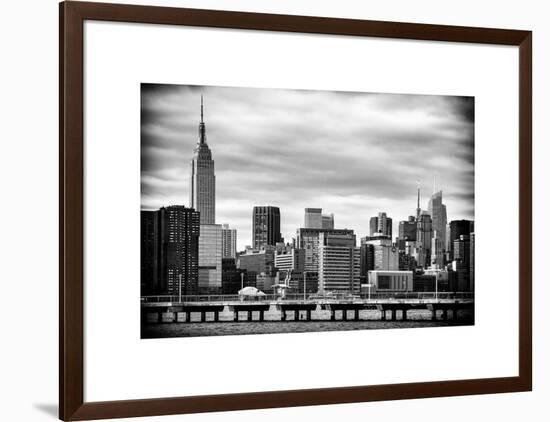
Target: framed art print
x=268, y=210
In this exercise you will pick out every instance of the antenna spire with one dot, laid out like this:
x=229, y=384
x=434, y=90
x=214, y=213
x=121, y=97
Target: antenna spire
x=418, y=200
x=202, y=126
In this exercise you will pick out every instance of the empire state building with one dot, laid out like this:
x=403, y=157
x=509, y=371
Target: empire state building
x=202, y=193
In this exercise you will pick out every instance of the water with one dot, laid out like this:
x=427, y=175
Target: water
x=417, y=319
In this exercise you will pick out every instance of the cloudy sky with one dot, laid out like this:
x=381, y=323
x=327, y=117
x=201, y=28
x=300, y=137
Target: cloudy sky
x=352, y=154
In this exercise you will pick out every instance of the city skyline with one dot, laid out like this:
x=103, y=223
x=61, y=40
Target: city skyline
x=254, y=142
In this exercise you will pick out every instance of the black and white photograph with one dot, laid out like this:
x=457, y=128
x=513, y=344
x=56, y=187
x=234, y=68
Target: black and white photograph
x=269, y=211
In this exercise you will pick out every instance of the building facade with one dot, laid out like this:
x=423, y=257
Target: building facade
x=308, y=240
x=315, y=219
x=339, y=263
x=229, y=242
x=292, y=260
x=391, y=281
x=438, y=212
x=170, y=251
x=456, y=229
x=202, y=192
x=381, y=224
x=407, y=229
x=210, y=259
x=266, y=226
x=386, y=255
x=423, y=239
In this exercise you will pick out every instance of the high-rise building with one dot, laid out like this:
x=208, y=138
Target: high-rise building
x=229, y=242
x=386, y=255
x=407, y=229
x=339, y=263
x=461, y=263
x=456, y=229
x=308, y=239
x=315, y=219
x=150, y=277
x=438, y=212
x=472, y=261
x=202, y=192
x=233, y=278
x=436, y=251
x=327, y=221
x=381, y=224
x=266, y=227
x=423, y=239
x=170, y=254
x=367, y=261
x=210, y=259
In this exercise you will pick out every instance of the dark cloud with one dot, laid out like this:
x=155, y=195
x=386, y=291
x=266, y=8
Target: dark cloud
x=354, y=154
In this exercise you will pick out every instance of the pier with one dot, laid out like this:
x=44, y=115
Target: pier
x=231, y=308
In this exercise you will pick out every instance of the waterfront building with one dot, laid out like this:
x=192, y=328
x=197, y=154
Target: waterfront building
x=202, y=192
x=210, y=259
x=233, y=278
x=266, y=226
x=391, y=281
x=229, y=242
x=290, y=260
x=457, y=228
x=169, y=250
x=258, y=261
x=308, y=239
x=339, y=263
x=381, y=224
x=296, y=282
x=438, y=212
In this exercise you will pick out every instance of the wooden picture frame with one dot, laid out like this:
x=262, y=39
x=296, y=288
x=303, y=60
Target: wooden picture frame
x=71, y=209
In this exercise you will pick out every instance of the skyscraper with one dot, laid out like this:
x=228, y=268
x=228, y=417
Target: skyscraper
x=381, y=224
x=438, y=211
x=170, y=246
x=202, y=192
x=423, y=239
x=266, y=226
x=229, y=242
x=436, y=251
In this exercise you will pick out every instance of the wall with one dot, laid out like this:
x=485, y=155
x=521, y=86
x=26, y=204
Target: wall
x=28, y=171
